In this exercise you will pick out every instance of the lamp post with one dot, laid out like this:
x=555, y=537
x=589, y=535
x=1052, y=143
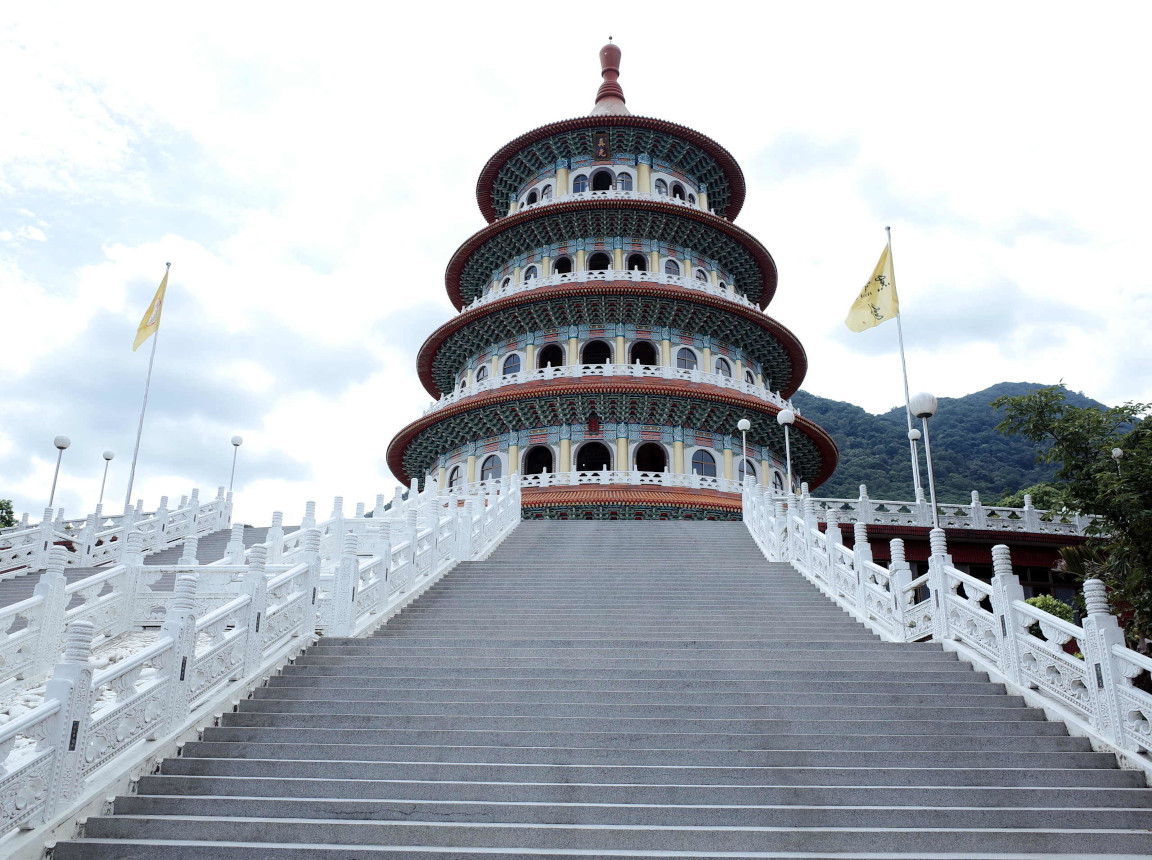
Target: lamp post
x=108, y=455
x=744, y=425
x=786, y=418
x=914, y=437
x=237, y=441
x=924, y=406
x=1118, y=455
x=61, y=442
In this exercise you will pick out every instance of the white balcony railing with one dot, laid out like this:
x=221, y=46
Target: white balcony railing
x=599, y=476
x=612, y=195
x=633, y=276
x=631, y=371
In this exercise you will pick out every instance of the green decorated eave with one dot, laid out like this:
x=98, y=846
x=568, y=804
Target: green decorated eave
x=669, y=403
x=649, y=306
x=536, y=152
x=735, y=251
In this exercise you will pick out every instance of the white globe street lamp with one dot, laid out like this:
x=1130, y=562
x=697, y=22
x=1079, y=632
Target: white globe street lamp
x=108, y=455
x=237, y=441
x=61, y=442
x=786, y=418
x=1118, y=455
x=744, y=425
x=924, y=406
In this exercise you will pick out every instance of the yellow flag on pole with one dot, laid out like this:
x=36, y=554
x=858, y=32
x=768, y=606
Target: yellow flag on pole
x=877, y=302
x=151, y=322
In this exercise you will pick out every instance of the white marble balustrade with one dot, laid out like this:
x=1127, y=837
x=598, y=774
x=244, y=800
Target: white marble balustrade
x=634, y=276
x=987, y=623
x=630, y=371
x=612, y=194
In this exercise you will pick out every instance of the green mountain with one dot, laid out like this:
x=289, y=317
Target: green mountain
x=967, y=452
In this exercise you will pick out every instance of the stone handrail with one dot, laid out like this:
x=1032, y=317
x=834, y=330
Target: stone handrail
x=633, y=371
x=972, y=516
x=100, y=540
x=602, y=476
x=634, y=275
x=989, y=624
x=51, y=757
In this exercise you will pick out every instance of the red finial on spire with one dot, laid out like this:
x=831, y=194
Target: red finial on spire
x=610, y=96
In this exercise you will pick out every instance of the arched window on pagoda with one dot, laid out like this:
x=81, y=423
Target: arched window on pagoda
x=704, y=464
x=532, y=198
x=599, y=262
x=538, y=460
x=702, y=276
x=678, y=190
x=546, y=194
x=661, y=187
x=747, y=470
x=550, y=356
x=624, y=182
x=643, y=353
x=602, y=180
x=597, y=352
x=692, y=199
x=592, y=457
x=563, y=266
x=511, y=365
x=482, y=373
x=671, y=267
x=651, y=457
x=507, y=282
x=723, y=287
x=686, y=359
x=530, y=273
x=777, y=482
x=723, y=368
x=490, y=469
x=580, y=184
x=637, y=263
x=749, y=377
x=454, y=478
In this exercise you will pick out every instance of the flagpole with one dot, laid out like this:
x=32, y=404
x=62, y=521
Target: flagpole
x=907, y=396
x=144, y=406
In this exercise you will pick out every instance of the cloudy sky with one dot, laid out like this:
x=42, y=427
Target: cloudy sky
x=309, y=169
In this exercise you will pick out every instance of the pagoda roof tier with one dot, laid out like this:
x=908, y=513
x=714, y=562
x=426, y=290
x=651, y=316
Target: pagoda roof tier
x=646, y=305
x=736, y=251
x=669, y=403
x=526, y=157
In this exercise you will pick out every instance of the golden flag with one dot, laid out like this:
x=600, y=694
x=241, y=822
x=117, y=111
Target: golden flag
x=877, y=302
x=151, y=322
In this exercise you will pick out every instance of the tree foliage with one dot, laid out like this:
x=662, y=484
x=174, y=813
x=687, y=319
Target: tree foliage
x=1079, y=441
x=7, y=515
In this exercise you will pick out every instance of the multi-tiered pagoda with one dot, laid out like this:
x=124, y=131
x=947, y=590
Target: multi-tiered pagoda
x=611, y=334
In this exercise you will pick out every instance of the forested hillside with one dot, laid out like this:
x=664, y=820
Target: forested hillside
x=967, y=451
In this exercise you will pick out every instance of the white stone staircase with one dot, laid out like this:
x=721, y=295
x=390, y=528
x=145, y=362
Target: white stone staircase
x=628, y=689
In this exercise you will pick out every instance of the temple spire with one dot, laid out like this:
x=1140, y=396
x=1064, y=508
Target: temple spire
x=610, y=97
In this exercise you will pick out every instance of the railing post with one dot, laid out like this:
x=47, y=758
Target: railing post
x=412, y=527
x=344, y=588
x=133, y=561
x=256, y=585
x=226, y=513
x=938, y=582
x=1101, y=632
x=923, y=509
x=359, y=510
x=977, y=516
x=180, y=625
x=71, y=686
x=51, y=586
x=275, y=538
x=47, y=541
x=1031, y=517
x=1006, y=588
x=337, y=515
x=309, y=520
x=861, y=555
x=91, y=526
x=160, y=534
x=899, y=579
x=780, y=530
x=234, y=552
x=378, y=511
x=463, y=527
x=864, y=510
x=310, y=555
